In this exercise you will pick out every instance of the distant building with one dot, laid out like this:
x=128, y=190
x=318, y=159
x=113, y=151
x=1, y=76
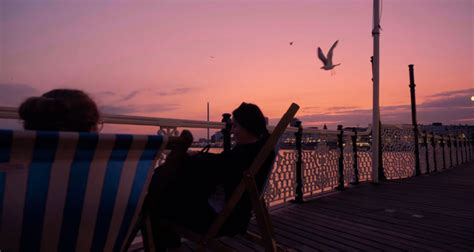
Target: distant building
x=440, y=129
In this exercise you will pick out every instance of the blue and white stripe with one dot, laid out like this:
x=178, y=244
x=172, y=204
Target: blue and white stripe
x=63, y=191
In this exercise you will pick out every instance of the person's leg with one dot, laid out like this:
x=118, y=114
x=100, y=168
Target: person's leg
x=167, y=174
x=162, y=193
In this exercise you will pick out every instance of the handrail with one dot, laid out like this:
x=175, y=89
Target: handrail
x=12, y=113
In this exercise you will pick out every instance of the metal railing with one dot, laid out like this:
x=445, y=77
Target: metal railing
x=313, y=161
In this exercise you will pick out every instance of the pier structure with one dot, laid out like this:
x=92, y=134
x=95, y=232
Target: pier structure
x=327, y=173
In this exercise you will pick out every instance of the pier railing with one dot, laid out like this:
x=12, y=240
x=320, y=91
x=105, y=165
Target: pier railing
x=311, y=162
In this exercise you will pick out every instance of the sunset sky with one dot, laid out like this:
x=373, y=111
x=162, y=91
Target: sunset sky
x=169, y=58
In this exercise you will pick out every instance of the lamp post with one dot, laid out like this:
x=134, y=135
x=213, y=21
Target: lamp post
x=376, y=106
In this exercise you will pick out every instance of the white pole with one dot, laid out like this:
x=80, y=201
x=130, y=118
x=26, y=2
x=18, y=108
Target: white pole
x=376, y=106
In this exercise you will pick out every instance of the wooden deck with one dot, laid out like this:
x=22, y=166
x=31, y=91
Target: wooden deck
x=427, y=213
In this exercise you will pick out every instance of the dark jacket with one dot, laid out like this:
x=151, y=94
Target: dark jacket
x=227, y=169
x=185, y=197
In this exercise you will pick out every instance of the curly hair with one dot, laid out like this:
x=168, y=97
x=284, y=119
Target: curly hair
x=60, y=110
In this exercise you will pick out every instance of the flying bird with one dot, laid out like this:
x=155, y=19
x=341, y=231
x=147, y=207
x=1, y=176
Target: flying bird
x=328, y=65
x=291, y=43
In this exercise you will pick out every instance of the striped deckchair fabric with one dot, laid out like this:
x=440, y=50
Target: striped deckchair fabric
x=67, y=191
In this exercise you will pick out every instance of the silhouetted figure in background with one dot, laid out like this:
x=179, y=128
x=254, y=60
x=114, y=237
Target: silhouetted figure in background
x=60, y=110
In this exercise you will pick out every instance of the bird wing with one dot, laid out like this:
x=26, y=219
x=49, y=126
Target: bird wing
x=321, y=56
x=330, y=52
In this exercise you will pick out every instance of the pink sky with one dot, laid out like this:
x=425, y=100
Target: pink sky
x=169, y=58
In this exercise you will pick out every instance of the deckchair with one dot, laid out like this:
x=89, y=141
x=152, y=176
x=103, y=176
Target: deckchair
x=247, y=184
x=66, y=191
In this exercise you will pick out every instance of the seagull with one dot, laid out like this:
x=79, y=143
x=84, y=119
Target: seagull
x=327, y=61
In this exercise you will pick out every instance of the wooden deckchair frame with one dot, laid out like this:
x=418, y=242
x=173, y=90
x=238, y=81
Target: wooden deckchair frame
x=248, y=184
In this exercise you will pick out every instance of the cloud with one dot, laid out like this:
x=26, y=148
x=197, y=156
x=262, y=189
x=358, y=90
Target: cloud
x=131, y=95
x=342, y=108
x=457, y=101
x=469, y=92
x=107, y=93
x=140, y=101
x=175, y=91
x=449, y=108
x=13, y=94
x=133, y=109
x=396, y=108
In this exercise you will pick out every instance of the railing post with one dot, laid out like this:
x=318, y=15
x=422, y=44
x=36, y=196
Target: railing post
x=413, y=120
x=425, y=139
x=381, y=168
x=468, y=147
x=456, y=143
x=466, y=153
x=469, y=144
x=464, y=149
x=226, y=131
x=340, y=144
x=433, y=144
x=355, y=158
x=444, y=154
x=461, y=143
x=450, y=145
x=299, y=162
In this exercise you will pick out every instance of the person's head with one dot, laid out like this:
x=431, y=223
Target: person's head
x=60, y=110
x=248, y=124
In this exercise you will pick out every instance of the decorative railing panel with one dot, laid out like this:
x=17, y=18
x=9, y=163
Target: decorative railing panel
x=365, y=165
x=322, y=164
x=422, y=156
x=281, y=185
x=398, y=152
x=348, y=160
x=430, y=157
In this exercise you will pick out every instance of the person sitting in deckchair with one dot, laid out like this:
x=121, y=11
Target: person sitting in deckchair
x=60, y=110
x=186, y=189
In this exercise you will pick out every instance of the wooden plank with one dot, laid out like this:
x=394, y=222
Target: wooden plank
x=349, y=239
x=400, y=217
x=291, y=240
x=399, y=240
x=311, y=239
x=240, y=244
x=377, y=237
x=390, y=202
x=408, y=226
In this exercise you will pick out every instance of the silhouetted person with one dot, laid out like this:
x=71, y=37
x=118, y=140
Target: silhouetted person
x=199, y=187
x=60, y=110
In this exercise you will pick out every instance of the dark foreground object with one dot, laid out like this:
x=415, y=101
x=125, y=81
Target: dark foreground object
x=427, y=213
